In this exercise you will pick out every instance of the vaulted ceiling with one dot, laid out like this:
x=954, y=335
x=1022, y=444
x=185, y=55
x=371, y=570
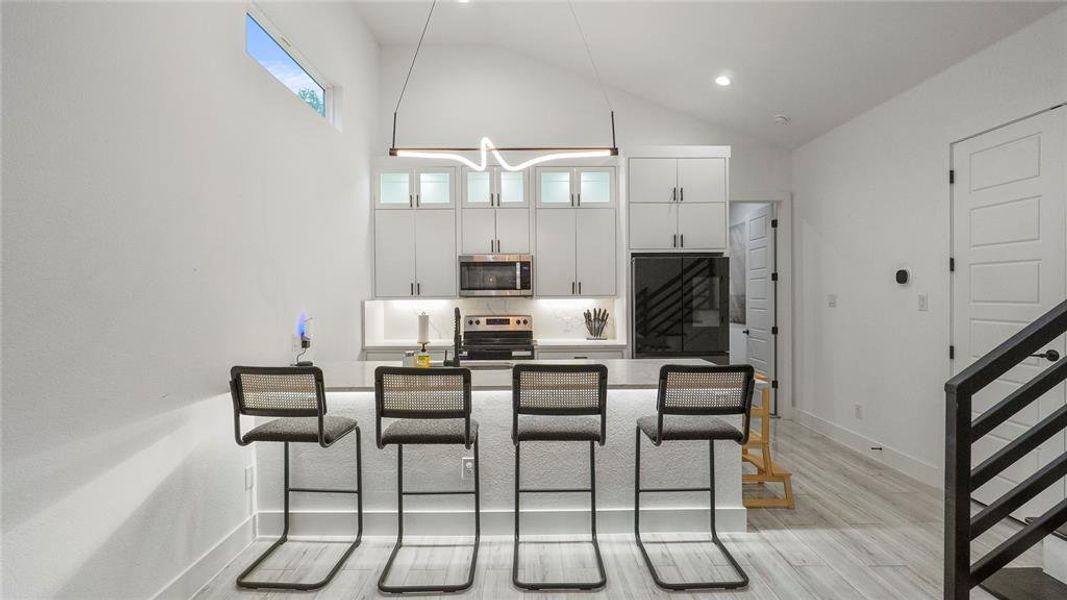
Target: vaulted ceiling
x=819, y=63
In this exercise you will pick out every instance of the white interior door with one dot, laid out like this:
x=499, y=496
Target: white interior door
x=759, y=290
x=653, y=180
x=555, y=264
x=435, y=258
x=1008, y=238
x=701, y=180
x=394, y=253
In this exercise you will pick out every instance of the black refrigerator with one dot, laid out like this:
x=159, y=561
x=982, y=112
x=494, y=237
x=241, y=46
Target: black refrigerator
x=680, y=306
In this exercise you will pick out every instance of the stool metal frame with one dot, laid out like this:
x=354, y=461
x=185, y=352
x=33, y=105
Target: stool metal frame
x=289, y=392
x=561, y=391
x=421, y=393
x=694, y=391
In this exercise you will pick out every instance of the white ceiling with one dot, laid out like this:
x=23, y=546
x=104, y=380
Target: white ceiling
x=820, y=63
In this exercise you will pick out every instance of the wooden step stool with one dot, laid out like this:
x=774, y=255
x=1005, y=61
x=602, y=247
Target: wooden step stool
x=757, y=452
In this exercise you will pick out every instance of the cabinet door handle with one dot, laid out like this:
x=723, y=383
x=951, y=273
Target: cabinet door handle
x=418, y=289
x=417, y=203
x=411, y=201
x=579, y=288
x=682, y=239
x=572, y=288
x=674, y=194
x=498, y=245
x=490, y=245
x=579, y=198
x=681, y=194
x=572, y=199
x=674, y=241
x=413, y=288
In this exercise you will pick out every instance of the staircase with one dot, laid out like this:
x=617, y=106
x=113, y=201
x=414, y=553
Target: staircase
x=989, y=572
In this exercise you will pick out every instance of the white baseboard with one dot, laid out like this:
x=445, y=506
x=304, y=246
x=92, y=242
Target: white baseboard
x=499, y=522
x=901, y=461
x=198, y=574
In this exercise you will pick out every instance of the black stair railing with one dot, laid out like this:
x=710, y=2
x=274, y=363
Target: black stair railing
x=961, y=433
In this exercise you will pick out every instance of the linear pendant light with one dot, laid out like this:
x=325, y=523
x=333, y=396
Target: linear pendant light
x=486, y=146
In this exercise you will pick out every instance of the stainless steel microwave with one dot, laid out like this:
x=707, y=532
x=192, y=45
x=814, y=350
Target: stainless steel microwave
x=496, y=275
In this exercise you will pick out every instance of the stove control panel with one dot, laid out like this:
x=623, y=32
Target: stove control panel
x=473, y=323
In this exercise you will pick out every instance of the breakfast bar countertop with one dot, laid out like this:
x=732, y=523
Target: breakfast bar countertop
x=623, y=374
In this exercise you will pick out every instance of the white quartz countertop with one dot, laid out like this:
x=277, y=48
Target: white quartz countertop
x=633, y=374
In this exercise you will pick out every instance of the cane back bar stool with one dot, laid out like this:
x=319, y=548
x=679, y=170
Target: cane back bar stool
x=559, y=403
x=430, y=406
x=689, y=402
x=297, y=397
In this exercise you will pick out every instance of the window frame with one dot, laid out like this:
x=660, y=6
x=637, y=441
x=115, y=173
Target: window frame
x=329, y=91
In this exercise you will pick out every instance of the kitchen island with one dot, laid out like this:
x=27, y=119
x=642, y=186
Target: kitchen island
x=631, y=394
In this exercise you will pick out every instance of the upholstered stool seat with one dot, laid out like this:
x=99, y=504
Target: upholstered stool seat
x=428, y=431
x=688, y=427
x=540, y=428
x=301, y=429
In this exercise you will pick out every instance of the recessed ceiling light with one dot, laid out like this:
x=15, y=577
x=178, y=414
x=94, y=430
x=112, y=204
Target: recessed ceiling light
x=723, y=80
x=782, y=120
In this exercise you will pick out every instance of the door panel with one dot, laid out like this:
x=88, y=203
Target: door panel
x=702, y=180
x=653, y=180
x=554, y=263
x=435, y=188
x=477, y=188
x=554, y=187
x=435, y=258
x=705, y=327
x=759, y=301
x=653, y=226
x=701, y=226
x=657, y=305
x=513, y=231
x=596, y=187
x=511, y=190
x=479, y=232
x=394, y=253
x=595, y=247
x=1008, y=233
x=395, y=189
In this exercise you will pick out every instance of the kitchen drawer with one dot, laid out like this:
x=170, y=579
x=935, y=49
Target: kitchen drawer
x=579, y=354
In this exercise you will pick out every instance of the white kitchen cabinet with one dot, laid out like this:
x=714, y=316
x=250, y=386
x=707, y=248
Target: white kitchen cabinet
x=479, y=231
x=579, y=354
x=435, y=253
x=702, y=226
x=494, y=188
x=554, y=269
x=414, y=253
x=701, y=180
x=595, y=252
x=394, y=254
x=577, y=187
x=408, y=189
x=575, y=252
x=653, y=180
x=653, y=226
x=677, y=203
x=513, y=231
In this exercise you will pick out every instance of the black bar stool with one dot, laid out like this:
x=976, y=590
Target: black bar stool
x=297, y=396
x=559, y=403
x=431, y=406
x=689, y=400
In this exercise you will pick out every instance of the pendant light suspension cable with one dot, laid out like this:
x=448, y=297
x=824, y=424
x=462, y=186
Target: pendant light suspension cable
x=486, y=146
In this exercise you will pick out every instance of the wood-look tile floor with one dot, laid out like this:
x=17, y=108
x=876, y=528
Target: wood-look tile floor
x=860, y=531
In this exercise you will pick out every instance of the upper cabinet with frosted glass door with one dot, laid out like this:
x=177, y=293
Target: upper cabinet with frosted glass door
x=494, y=188
x=575, y=187
x=430, y=187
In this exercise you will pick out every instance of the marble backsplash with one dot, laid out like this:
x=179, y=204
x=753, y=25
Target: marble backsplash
x=554, y=318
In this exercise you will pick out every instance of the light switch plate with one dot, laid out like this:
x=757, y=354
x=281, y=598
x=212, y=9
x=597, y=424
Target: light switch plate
x=831, y=300
x=924, y=302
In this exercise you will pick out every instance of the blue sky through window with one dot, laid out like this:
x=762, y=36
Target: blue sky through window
x=267, y=52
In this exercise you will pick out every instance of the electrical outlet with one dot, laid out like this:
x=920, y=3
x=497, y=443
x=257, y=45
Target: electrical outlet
x=831, y=300
x=859, y=411
x=250, y=477
x=924, y=302
x=467, y=468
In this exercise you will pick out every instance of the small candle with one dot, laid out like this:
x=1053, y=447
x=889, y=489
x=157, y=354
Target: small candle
x=424, y=329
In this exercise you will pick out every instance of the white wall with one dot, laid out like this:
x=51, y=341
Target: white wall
x=459, y=93
x=872, y=196
x=169, y=208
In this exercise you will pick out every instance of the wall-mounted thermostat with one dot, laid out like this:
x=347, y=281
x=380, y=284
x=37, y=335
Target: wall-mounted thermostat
x=903, y=276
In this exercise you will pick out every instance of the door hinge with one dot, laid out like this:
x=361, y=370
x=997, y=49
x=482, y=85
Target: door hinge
x=774, y=276
x=951, y=264
x=951, y=352
x=774, y=223
x=951, y=176
x=774, y=330
x=774, y=384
